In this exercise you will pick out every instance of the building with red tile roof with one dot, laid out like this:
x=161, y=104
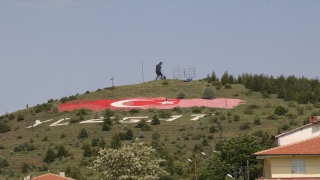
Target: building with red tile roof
x=298, y=161
x=49, y=176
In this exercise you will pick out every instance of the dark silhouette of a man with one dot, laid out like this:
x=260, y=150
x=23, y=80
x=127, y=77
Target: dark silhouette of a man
x=158, y=70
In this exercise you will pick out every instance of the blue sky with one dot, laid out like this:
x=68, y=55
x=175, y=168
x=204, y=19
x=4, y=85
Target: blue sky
x=56, y=48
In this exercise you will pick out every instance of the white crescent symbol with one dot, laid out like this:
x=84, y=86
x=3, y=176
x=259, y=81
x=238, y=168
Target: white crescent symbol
x=120, y=103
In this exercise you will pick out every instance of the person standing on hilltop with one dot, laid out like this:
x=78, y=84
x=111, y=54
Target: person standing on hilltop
x=158, y=71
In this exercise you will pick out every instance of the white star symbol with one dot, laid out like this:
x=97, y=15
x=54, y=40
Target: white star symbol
x=166, y=102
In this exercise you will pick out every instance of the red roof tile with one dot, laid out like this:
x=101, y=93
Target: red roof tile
x=50, y=176
x=306, y=147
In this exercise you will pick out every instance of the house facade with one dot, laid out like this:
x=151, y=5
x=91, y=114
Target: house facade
x=312, y=129
x=298, y=161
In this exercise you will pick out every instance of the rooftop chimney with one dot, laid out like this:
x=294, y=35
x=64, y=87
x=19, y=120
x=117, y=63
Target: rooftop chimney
x=62, y=174
x=314, y=119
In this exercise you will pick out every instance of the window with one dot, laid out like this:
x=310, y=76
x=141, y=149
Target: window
x=298, y=166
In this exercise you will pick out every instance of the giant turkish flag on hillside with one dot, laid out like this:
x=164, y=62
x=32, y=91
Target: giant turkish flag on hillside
x=146, y=103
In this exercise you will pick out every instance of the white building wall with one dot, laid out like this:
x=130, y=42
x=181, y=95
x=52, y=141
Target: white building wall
x=300, y=134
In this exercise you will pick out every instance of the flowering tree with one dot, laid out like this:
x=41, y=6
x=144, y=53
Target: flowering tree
x=129, y=162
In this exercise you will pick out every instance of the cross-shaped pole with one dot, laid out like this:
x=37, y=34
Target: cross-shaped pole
x=112, y=80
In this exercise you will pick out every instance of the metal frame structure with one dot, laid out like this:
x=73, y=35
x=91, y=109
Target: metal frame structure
x=188, y=73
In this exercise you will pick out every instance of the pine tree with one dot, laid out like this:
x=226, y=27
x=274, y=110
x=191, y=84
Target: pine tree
x=50, y=156
x=129, y=134
x=115, y=142
x=155, y=120
x=83, y=134
x=87, y=152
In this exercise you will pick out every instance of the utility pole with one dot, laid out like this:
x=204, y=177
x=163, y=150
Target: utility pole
x=142, y=70
x=112, y=80
x=248, y=170
x=195, y=169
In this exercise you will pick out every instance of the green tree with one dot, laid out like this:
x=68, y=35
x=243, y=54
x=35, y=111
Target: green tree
x=50, y=156
x=213, y=77
x=130, y=162
x=129, y=134
x=141, y=123
x=108, y=113
x=225, y=78
x=87, y=152
x=235, y=153
x=107, y=123
x=62, y=152
x=115, y=142
x=155, y=120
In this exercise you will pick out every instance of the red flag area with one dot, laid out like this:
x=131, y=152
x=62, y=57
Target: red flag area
x=146, y=103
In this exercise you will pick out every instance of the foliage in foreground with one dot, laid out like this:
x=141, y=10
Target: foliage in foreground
x=233, y=157
x=129, y=162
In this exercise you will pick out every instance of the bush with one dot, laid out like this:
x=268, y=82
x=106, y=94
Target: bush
x=227, y=86
x=3, y=163
x=208, y=93
x=108, y=113
x=141, y=123
x=245, y=126
x=82, y=112
x=197, y=109
x=291, y=104
x=165, y=113
x=55, y=109
x=177, y=109
x=256, y=120
x=165, y=82
x=285, y=127
x=213, y=129
x=146, y=127
x=4, y=128
x=265, y=94
x=309, y=107
x=181, y=95
x=247, y=110
x=134, y=111
x=272, y=117
x=316, y=105
x=155, y=136
x=11, y=117
x=20, y=118
x=267, y=105
x=155, y=120
x=280, y=111
x=236, y=117
x=45, y=138
x=290, y=116
x=83, y=134
x=300, y=110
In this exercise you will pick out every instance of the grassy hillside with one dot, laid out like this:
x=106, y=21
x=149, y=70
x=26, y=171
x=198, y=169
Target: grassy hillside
x=178, y=136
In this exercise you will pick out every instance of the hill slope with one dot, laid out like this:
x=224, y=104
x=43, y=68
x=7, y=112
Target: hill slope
x=24, y=149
